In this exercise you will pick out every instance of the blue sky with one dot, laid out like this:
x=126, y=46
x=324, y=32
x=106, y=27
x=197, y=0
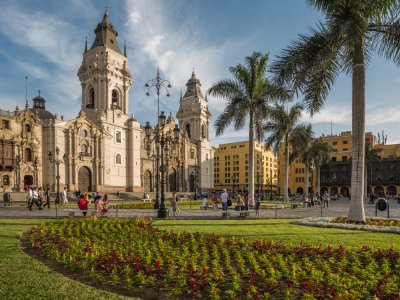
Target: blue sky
x=44, y=40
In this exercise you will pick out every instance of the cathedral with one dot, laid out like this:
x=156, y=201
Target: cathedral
x=103, y=148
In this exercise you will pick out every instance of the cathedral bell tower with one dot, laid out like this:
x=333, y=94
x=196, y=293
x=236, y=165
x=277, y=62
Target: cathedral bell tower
x=194, y=120
x=104, y=75
x=193, y=114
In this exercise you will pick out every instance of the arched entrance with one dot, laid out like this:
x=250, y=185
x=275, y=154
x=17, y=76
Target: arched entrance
x=85, y=179
x=28, y=180
x=334, y=190
x=378, y=191
x=344, y=191
x=391, y=190
x=148, y=181
x=323, y=190
x=191, y=183
x=299, y=191
x=172, y=180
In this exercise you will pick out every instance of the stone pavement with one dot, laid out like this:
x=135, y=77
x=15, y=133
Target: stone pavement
x=336, y=208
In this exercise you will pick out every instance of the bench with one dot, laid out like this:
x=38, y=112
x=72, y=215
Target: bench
x=147, y=200
x=71, y=212
x=238, y=212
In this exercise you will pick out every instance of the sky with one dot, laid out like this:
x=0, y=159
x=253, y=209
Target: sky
x=45, y=40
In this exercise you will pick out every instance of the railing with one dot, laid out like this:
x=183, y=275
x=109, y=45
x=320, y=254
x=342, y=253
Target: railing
x=7, y=113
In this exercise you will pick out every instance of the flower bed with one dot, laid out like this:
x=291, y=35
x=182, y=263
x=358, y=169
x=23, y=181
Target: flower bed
x=376, y=225
x=131, y=254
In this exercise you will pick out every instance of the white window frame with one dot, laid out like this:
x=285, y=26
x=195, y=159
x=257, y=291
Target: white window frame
x=115, y=136
x=115, y=159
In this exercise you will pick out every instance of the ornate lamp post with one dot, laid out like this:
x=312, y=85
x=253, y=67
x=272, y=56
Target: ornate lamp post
x=35, y=170
x=57, y=161
x=158, y=83
x=258, y=183
x=163, y=153
x=17, y=172
x=270, y=190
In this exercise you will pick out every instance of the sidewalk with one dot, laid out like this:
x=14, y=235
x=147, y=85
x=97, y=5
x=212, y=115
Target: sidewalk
x=336, y=208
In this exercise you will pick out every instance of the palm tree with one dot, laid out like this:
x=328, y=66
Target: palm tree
x=249, y=96
x=352, y=31
x=371, y=155
x=319, y=156
x=281, y=125
x=301, y=140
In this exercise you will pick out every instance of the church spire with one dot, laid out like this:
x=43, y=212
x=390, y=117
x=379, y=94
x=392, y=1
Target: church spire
x=26, y=92
x=106, y=35
x=193, y=87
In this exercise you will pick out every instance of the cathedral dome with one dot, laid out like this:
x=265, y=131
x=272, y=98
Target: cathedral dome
x=39, y=107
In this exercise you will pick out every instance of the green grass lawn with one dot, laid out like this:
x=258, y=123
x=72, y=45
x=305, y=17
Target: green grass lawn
x=282, y=230
x=23, y=277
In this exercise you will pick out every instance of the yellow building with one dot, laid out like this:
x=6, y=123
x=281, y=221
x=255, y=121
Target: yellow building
x=231, y=167
x=336, y=175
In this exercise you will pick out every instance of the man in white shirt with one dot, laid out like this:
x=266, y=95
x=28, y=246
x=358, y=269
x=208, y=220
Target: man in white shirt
x=224, y=201
x=30, y=196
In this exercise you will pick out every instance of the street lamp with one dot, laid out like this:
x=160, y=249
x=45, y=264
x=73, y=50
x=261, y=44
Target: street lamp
x=233, y=185
x=158, y=83
x=163, y=153
x=17, y=172
x=35, y=170
x=258, y=182
x=270, y=190
x=57, y=161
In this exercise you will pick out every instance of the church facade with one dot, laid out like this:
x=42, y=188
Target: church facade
x=103, y=148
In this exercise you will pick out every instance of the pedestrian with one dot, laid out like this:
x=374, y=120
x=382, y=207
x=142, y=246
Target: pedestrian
x=325, y=199
x=46, y=198
x=29, y=196
x=224, y=201
x=101, y=207
x=174, y=205
x=64, y=197
x=204, y=201
x=246, y=202
x=215, y=202
x=258, y=207
x=83, y=204
x=35, y=200
x=40, y=197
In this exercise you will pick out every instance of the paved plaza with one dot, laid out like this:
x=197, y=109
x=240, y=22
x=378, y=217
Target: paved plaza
x=336, y=208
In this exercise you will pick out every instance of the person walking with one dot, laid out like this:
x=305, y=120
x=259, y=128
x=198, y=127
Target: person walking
x=174, y=205
x=325, y=199
x=257, y=208
x=46, y=198
x=224, y=201
x=29, y=197
x=64, y=198
x=83, y=204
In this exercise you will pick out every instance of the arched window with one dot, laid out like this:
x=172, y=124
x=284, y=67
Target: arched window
x=84, y=149
x=203, y=131
x=6, y=180
x=27, y=128
x=118, y=159
x=90, y=102
x=187, y=128
x=28, y=154
x=114, y=99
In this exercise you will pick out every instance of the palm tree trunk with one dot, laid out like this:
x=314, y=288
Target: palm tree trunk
x=307, y=175
x=286, y=173
x=356, y=211
x=251, y=160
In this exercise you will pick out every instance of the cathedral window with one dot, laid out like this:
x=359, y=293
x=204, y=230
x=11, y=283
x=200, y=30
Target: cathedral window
x=6, y=124
x=114, y=99
x=118, y=137
x=84, y=149
x=27, y=128
x=203, y=131
x=6, y=180
x=90, y=102
x=192, y=154
x=28, y=154
x=118, y=159
x=187, y=128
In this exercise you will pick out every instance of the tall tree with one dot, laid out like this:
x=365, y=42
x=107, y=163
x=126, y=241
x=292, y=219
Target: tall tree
x=301, y=140
x=351, y=32
x=319, y=155
x=249, y=97
x=281, y=125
